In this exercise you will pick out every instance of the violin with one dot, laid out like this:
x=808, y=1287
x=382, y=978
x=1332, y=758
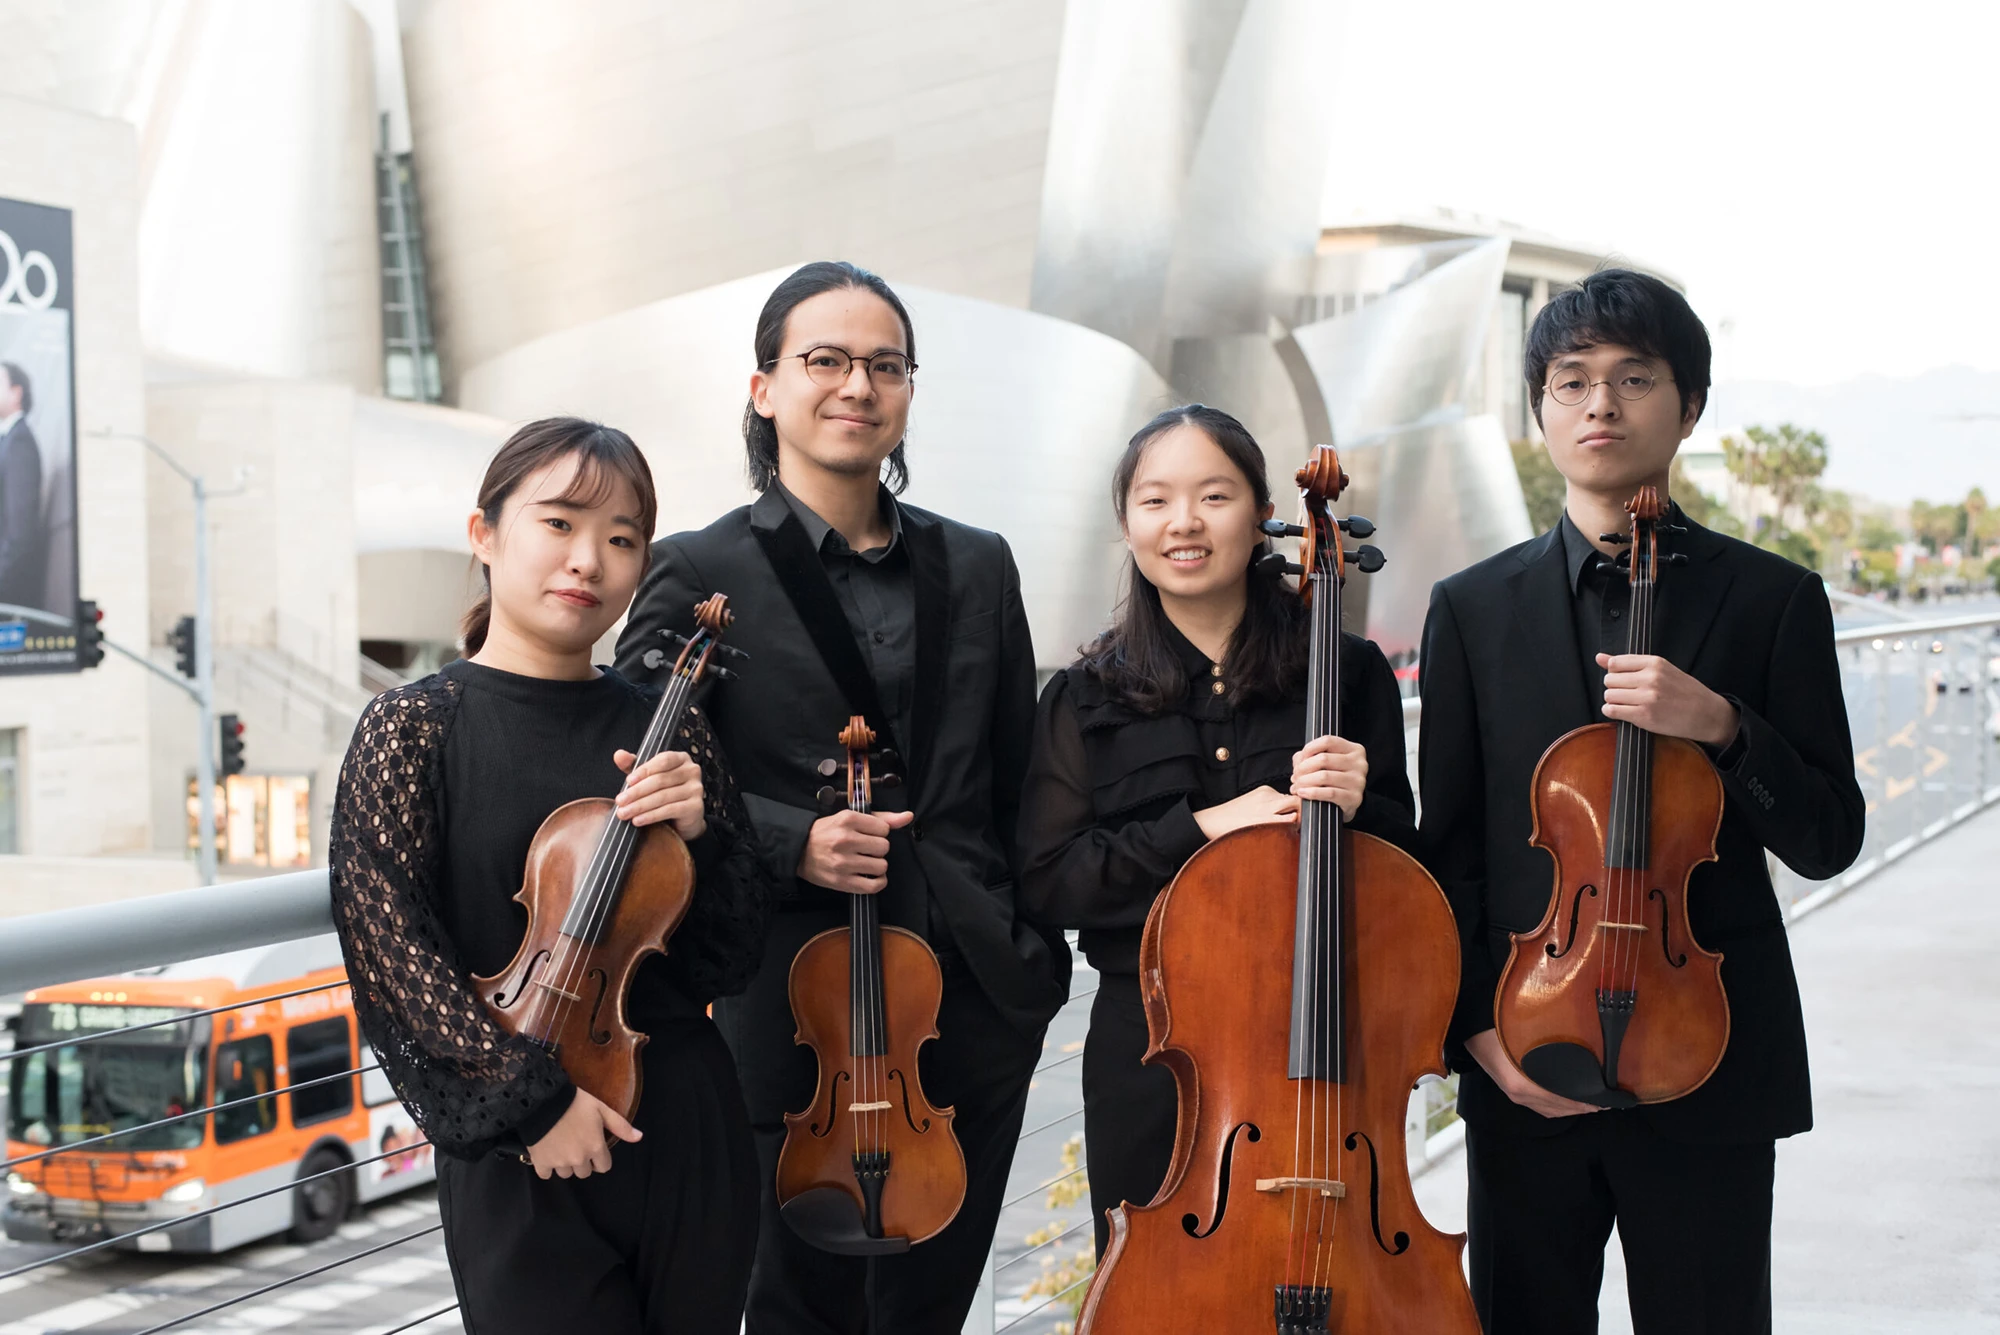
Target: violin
x=1611, y=1000
x=1295, y=1025
x=870, y=1167
x=602, y=895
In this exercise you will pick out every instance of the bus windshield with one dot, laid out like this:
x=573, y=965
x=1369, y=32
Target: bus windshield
x=92, y=1089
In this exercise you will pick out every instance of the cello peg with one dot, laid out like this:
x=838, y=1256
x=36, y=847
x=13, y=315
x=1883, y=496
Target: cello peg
x=1620, y=538
x=720, y=673
x=675, y=636
x=830, y=800
x=1367, y=560
x=1677, y=558
x=1354, y=526
x=1274, y=563
x=886, y=780
x=1278, y=528
x=827, y=768
x=732, y=650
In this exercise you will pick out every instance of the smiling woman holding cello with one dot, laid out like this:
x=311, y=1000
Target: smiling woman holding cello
x=559, y=1213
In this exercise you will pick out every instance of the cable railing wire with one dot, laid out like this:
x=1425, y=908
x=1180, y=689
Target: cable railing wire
x=273, y=1287
x=1049, y=1301
x=183, y=1117
x=428, y=1316
x=1044, y=1244
x=293, y=1185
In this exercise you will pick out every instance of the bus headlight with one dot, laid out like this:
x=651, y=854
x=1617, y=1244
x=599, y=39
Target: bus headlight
x=184, y=1193
x=20, y=1187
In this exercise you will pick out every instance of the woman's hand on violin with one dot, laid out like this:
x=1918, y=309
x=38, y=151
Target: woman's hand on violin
x=1651, y=693
x=1486, y=1050
x=665, y=788
x=1331, y=769
x=580, y=1143
x=849, y=850
x=1262, y=805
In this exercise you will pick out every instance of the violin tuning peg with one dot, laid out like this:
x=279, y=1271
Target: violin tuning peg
x=720, y=673
x=1354, y=526
x=733, y=651
x=1602, y=564
x=1274, y=563
x=674, y=635
x=653, y=658
x=886, y=780
x=1677, y=558
x=828, y=768
x=1367, y=560
x=1278, y=528
x=1673, y=528
x=1620, y=538
x=830, y=800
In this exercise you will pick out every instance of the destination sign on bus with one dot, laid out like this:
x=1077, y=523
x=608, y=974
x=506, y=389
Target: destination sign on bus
x=54, y=1021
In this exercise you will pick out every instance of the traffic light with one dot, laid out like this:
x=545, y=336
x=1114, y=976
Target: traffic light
x=182, y=639
x=232, y=746
x=89, y=635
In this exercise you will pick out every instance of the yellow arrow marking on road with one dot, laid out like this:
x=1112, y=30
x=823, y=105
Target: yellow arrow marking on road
x=1934, y=760
x=1898, y=787
x=1865, y=761
x=1907, y=737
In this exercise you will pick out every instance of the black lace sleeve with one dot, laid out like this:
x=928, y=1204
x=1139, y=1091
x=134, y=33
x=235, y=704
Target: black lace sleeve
x=719, y=945
x=468, y=1082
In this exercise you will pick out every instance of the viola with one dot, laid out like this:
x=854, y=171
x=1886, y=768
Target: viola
x=870, y=1167
x=602, y=895
x=1295, y=1025
x=1611, y=1000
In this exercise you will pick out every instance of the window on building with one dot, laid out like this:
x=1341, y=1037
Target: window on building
x=1511, y=319
x=313, y=1052
x=261, y=820
x=243, y=1070
x=10, y=790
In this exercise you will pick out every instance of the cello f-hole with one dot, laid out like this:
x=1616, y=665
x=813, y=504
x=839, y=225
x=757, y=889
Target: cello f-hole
x=1375, y=1197
x=1189, y=1222
x=1674, y=960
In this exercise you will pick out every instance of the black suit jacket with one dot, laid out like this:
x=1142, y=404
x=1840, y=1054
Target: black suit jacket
x=972, y=717
x=23, y=541
x=1502, y=678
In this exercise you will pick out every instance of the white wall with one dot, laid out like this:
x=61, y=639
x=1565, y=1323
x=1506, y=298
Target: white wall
x=88, y=734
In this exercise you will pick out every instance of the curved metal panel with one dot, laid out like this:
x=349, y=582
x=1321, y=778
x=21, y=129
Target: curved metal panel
x=1017, y=423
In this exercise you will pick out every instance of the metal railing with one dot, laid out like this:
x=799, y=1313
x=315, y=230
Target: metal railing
x=1923, y=703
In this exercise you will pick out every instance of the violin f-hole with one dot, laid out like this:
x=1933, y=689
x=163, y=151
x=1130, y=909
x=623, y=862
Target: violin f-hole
x=1189, y=1222
x=832, y=1106
x=1575, y=907
x=502, y=1000
x=598, y=1035
x=903, y=1083
x=1673, y=960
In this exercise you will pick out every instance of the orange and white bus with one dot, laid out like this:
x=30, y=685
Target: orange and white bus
x=92, y=1088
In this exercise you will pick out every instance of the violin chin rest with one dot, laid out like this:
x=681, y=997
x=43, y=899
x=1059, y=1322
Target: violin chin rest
x=1573, y=1071
x=829, y=1219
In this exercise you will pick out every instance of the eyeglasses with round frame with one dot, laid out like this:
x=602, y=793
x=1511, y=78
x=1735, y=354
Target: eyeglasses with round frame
x=830, y=366
x=1631, y=384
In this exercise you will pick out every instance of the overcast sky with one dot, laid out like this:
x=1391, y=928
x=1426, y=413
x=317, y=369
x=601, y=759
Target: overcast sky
x=1822, y=177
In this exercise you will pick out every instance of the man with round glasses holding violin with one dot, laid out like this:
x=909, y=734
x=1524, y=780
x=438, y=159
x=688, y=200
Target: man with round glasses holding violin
x=1530, y=644
x=850, y=602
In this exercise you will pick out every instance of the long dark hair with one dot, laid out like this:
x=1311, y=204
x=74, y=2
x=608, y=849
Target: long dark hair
x=605, y=457
x=760, y=433
x=1267, y=655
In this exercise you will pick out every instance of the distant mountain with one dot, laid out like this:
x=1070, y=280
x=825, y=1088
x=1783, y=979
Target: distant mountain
x=1933, y=436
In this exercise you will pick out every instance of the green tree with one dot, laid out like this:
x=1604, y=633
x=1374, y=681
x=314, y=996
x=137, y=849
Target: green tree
x=1698, y=505
x=1982, y=525
x=1935, y=526
x=1541, y=485
x=1786, y=464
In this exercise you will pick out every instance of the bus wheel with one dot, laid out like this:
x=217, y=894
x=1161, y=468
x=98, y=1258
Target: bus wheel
x=319, y=1206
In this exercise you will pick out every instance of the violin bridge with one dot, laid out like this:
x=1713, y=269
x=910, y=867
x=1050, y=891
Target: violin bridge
x=1325, y=1186
x=882, y=1106
x=1621, y=927
x=551, y=987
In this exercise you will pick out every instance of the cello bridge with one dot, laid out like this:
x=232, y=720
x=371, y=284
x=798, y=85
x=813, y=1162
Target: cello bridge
x=1325, y=1186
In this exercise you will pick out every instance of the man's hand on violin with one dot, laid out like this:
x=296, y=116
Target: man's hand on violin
x=1650, y=692
x=580, y=1144
x=1331, y=769
x=665, y=788
x=1486, y=1050
x=849, y=850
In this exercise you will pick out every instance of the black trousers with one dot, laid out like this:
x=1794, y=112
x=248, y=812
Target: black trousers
x=979, y=1065
x=1695, y=1221
x=660, y=1245
x=1129, y=1108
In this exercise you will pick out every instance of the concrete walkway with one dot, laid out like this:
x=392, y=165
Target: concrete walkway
x=1888, y=1212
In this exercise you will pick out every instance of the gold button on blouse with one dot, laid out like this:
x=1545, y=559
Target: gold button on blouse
x=1218, y=688
x=1215, y=670
x=1222, y=753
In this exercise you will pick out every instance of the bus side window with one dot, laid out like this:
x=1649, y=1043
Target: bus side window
x=244, y=1069
x=312, y=1052
x=375, y=1087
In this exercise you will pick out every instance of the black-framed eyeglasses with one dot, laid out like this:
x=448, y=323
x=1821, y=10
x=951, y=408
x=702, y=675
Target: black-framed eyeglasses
x=1572, y=386
x=830, y=366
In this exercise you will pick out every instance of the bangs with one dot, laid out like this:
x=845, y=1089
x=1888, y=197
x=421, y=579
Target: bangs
x=601, y=465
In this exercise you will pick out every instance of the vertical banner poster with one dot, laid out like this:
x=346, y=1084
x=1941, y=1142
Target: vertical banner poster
x=38, y=538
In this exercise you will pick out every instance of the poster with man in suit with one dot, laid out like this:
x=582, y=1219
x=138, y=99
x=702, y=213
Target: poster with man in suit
x=38, y=538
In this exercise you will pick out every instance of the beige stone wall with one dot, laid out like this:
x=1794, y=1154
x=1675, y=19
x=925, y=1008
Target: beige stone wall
x=576, y=163
x=87, y=735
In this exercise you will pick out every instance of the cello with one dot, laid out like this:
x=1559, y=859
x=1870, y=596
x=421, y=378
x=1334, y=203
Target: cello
x=1295, y=1022
x=602, y=894
x=1611, y=1000
x=869, y=1168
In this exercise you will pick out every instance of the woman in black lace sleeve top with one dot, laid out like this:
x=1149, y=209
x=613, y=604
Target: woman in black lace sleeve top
x=558, y=1215
x=1180, y=723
